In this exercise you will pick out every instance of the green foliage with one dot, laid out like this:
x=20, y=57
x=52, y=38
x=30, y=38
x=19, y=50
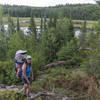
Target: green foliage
x=35, y=65
x=15, y=43
x=55, y=38
x=18, y=26
x=41, y=26
x=31, y=44
x=63, y=33
x=1, y=10
x=92, y=61
x=45, y=23
x=7, y=95
x=92, y=64
x=76, y=11
x=3, y=42
x=32, y=27
x=82, y=37
x=70, y=54
x=11, y=27
x=97, y=28
x=7, y=75
x=49, y=45
x=3, y=49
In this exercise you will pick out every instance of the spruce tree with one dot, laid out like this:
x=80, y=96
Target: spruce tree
x=49, y=45
x=55, y=38
x=18, y=25
x=45, y=23
x=3, y=45
x=71, y=30
x=83, y=35
x=11, y=27
x=50, y=23
x=41, y=26
x=54, y=20
x=32, y=26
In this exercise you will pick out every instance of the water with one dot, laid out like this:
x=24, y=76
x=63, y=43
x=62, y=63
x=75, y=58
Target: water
x=24, y=29
x=77, y=32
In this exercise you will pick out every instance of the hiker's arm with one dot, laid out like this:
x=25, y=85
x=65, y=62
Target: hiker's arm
x=24, y=73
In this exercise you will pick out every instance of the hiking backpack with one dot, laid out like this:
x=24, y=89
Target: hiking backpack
x=19, y=60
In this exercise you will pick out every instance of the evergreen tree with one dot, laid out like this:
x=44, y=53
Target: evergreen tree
x=49, y=45
x=83, y=35
x=11, y=27
x=18, y=25
x=41, y=26
x=50, y=23
x=55, y=21
x=63, y=32
x=84, y=29
x=32, y=26
x=3, y=45
x=45, y=23
x=55, y=38
x=15, y=43
x=71, y=29
x=70, y=53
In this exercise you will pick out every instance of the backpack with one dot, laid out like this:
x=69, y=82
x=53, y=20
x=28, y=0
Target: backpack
x=19, y=60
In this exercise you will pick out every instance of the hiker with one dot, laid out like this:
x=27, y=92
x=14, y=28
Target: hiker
x=19, y=60
x=27, y=75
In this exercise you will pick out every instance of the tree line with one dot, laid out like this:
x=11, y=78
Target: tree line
x=77, y=11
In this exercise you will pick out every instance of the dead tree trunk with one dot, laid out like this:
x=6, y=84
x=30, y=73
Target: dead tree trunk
x=50, y=94
x=55, y=64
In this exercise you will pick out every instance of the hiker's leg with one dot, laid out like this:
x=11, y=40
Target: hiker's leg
x=28, y=90
x=25, y=88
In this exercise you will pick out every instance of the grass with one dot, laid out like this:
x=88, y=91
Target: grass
x=27, y=24
x=64, y=81
x=70, y=82
x=5, y=20
x=89, y=26
x=77, y=23
x=88, y=21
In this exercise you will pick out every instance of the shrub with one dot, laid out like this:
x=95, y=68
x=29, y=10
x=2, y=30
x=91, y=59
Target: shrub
x=92, y=64
x=70, y=53
x=7, y=73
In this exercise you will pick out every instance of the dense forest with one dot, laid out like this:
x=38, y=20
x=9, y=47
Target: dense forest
x=78, y=77
x=78, y=11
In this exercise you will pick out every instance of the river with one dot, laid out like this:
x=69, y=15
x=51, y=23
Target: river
x=26, y=30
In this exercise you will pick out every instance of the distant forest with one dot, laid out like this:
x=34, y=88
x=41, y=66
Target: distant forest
x=78, y=12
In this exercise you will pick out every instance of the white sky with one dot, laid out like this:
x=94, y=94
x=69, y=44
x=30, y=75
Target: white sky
x=43, y=3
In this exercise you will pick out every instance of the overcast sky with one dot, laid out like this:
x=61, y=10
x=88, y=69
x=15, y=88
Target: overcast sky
x=42, y=3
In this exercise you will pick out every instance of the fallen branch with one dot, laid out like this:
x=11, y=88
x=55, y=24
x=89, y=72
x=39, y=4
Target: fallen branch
x=62, y=97
x=80, y=97
x=85, y=48
x=55, y=64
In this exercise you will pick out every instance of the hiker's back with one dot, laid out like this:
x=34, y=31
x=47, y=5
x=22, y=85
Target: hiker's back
x=19, y=60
